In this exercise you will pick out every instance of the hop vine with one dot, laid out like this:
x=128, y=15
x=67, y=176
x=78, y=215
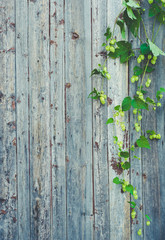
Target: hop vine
x=131, y=17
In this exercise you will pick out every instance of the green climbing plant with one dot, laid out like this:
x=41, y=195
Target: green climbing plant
x=131, y=17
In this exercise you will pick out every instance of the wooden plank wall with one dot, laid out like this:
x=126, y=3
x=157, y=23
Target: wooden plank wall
x=56, y=152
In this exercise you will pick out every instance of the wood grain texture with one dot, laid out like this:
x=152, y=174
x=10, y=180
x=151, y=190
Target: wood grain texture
x=22, y=111
x=160, y=128
x=56, y=152
x=39, y=102
x=100, y=163
x=8, y=174
x=136, y=173
x=117, y=91
x=78, y=121
x=152, y=195
x=57, y=106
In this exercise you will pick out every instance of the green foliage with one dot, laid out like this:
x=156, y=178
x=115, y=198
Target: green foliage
x=98, y=71
x=126, y=104
x=150, y=69
x=162, y=90
x=94, y=94
x=149, y=100
x=95, y=71
x=161, y=17
x=108, y=34
x=124, y=51
x=116, y=138
x=138, y=103
x=117, y=107
x=155, y=49
x=131, y=4
x=144, y=48
x=124, y=154
x=130, y=188
x=133, y=204
x=126, y=166
x=150, y=131
x=148, y=217
x=131, y=17
x=121, y=24
x=136, y=157
x=143, y=142
x=133, y=23
x=138, y=70
x=110, y=120
x=154, y=10
x=116, y=180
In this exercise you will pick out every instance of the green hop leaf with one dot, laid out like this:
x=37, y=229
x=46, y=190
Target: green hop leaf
x=110, y=120
x=130, y=13
x=133, y=204
x=150, y=69
x=124, y=51
x=129, y=188
x=154, y=10
x=143, y=142
x=155, y=49
x=148, y=217
x=132, y=24
x=149, y=100
x=126, y=165
x=144, y=48
x=126, y=104
x=95, y=71
x=121, y=24
x=108, y=33
x=132, y=4
x=161, y=17
x=117, y=107
x=159, y=92
x=151, y=132
x=116, y=138
x=94, y=94
x=139, y=104
x=162, y=89
x=136, y=157
x=138, y=70
x=124, y=154
x=116, y=180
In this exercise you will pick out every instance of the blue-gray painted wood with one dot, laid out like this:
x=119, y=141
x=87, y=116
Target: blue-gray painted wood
x=78, y=120
x=136, y=173
x=22, y=117
x=8, y=156
x=117, y=90
x=39, y=110
x=56, y=152
x=100, y=154
x=57, y=107
x=152, y=164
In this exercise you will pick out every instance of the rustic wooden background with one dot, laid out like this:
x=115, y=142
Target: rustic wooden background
x=56, y=152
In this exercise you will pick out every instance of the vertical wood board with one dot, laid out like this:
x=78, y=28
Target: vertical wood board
x=57, y=156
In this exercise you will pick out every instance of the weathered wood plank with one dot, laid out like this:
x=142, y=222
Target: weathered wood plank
x=57, y=74
x=150, y=158
x=160, y=129
x=136, y=172
x=39, y=101
x=8, y=173
x=117, y=91
x=22, y=108
x=56, y=152
x=78, y=120
x=100, y=161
